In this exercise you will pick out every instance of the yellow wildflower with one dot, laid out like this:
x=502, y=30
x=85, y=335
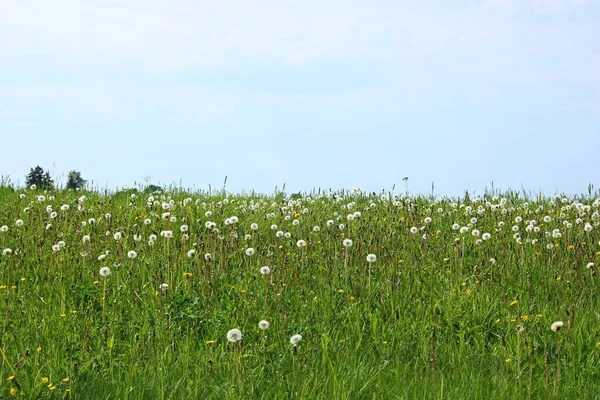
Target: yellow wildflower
x=13, y=391
x=512, y=303
x=10, y=378
x=44, y=380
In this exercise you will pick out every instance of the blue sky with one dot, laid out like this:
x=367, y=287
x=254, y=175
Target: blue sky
x=331, y=94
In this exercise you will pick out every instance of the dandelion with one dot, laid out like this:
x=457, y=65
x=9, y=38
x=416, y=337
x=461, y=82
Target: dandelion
x=263, y=324
x=279, y=234
x=208, y=256
x=347, y=242
x=183, y=228
x=288, y=235
x=556, y=326
x=19, y=223
x=55, y=248
x=301, y=243
x=464, y=229
x=250, y=251
x=316, y=229
x=414, y=230
x=132, y=254
x=254, y=226
x=7, y=252
x=590, y=265
x=191, y=253
x=294, y=340
x=4, y=229
x=486, y=236
x=234, y=335
x=166, y=234
x=428, y=220
x=164, y=286
x=371, y=258
x=104, y=271
x=265, y=270
x=118, y=236
x=475, y=232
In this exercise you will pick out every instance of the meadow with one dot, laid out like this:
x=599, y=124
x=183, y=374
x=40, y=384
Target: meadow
x=344, y=295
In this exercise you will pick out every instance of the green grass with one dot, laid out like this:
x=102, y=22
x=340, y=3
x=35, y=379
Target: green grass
x=431, y=318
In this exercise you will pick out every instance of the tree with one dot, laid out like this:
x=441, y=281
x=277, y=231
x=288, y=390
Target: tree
x=39, y=178
x=75, y=181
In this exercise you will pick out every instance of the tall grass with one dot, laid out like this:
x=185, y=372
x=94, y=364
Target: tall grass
x=439, y=314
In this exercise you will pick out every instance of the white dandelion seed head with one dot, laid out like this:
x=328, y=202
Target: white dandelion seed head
x=147, y=221
x=330, y=222
x=7, y=252
x=208, y=256
x=118, y=236
x=233, y=219
x=263, y=324
x=295, y=222
x=590, y=265
x=427, y=220
x=475, y=232
x=137, y=237
x=164, y=286
x=19, y=223
x=183, y=228
x=556, y=326
x=234, y=335
x=107, y=216
x=104, y=271
x=254, y=226
x=301, y=243
x=273, y=227
x=101, y=257
x=191, y=253
x=414, y=230
x=288, y=235
x=294, y=340
x=341, y=227
x=265, y=270
x=131, y=254
x=86, y=238
x=4, y=229
x=371, y=258
x=486, y=236
x=279, y=234
x=347, y=242
x=250, y=251
x=316, y=228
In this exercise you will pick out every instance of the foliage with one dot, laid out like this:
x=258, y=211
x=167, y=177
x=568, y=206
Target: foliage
x=440, y=313
x=75, y=180
x=39, y=178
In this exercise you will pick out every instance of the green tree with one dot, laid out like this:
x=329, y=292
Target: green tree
x=75, y=181
x=39, y=178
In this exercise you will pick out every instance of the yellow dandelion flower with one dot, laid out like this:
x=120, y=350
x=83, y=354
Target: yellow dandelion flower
x=315, y=298
x=38, y=349
x=13, y=391
x=497, y=321
x=95, y=282
x=558, y=279
x=524, y=317
x=210, y=342
x=187, y=274
x=342, y=234
x=10, y=378
x=65, y=380
x=352, y=298
x=463, y=284
x=63, y=315
x=539, y=316
x=598, y=344
x=507, y=360
x=52, y=387
x=570, y=247
x=23, y=279
x=341, y=291
x=68, y=389
x=468, y=292
x=44, y=380
x=512, y=303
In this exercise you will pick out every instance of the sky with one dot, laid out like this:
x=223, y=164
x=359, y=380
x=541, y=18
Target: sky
x=461, y=94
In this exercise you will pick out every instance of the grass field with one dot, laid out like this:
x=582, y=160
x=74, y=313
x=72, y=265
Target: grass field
x=134, y=296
